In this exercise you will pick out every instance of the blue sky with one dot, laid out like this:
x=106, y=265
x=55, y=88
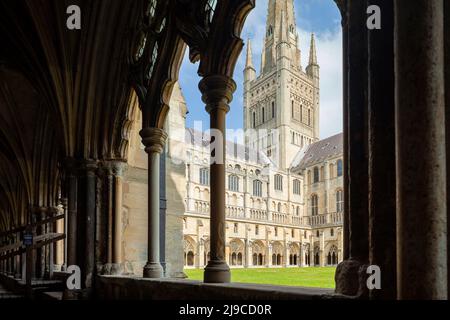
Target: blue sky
x=319, y=16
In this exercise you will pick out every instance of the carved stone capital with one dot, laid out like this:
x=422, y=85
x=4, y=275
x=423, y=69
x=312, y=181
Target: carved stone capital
x=153, y=139
x=114, y=167
x=217, y=92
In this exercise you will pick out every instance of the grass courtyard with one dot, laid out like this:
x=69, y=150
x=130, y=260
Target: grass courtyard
x=298, y=277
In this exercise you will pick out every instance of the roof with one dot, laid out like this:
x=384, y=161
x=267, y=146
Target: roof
x=233, y=149
x=318, y=152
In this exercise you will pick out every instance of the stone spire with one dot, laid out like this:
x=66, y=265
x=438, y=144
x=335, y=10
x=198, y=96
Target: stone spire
x=249, y=71
x=312, y=52
x=249, y=61
x=280, y=28
x=283, y=36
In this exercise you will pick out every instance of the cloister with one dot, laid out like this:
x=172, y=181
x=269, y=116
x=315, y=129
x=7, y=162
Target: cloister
x=65, y=98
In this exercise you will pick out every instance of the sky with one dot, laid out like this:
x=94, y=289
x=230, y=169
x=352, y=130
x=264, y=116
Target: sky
x=319, y=16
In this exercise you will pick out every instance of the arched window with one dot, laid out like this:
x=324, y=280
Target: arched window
x=270, y=31
x=278, y=182
x=204, y=176
x=309, y=117
x=296, y=186
x=314, y=205
x=260, y=259
x=210, y=8
x=339, y=201
x=263, y=116
x=276, y=231
x=273, y=109
x=190, y=259
x=339, y=168
x=254, y=120
x=233, y=183
x=304, y=234
x=257, y=188
x=233, y=259
x=332, y=232
x=316, y=176
x=239, y=259
x=317, y=234
x=255, y=259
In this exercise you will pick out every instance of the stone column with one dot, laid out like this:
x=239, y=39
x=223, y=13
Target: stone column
x=89, y=168
x=381, y=122
x=421, y=154
x=117, y=235
x=154, y=140
x=249, y=254
x=447, y=115
x=217, y=92
x=356, y=238
x=322, y=249
x=269, y=255
x=201, y=254
x=72, y=211
x=64, y=202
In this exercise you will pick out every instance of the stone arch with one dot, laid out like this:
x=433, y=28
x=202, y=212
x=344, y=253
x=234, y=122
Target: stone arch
x=237, y=249
x=190, y=251
x=258, y=253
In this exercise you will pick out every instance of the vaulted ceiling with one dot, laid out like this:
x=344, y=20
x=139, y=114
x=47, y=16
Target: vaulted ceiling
x=66, y=93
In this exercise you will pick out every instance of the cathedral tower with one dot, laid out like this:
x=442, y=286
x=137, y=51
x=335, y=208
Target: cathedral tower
x=282, y=103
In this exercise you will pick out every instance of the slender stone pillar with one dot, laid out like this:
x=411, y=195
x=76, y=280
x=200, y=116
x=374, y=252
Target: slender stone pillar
x=447, y=118
x=322, y=249
x=382, y=193
x=65, y=203
x=217, y=93
x=154, y=140
x=72, y=211
x=356, y=232
x=110, y=217
x=118, y=194
x=90, y=168
x=421, y=155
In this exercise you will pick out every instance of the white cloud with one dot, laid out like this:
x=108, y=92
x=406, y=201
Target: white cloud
x=329, y=56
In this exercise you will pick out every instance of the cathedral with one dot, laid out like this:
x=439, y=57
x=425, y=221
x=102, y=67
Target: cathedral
x=284, y=206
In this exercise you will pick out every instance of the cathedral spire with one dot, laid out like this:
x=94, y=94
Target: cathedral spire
x=249, y=61
x=283, y=36
x=312, y=51
x=249, y=71
x=280, y=28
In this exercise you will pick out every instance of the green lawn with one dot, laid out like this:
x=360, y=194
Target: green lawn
x=298, y=277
